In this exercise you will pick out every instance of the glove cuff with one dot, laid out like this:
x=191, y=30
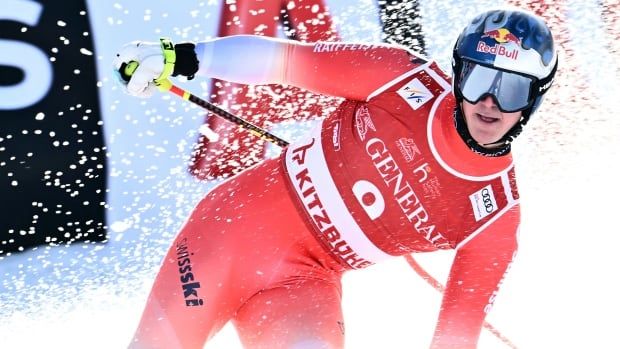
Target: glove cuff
x=186, y=60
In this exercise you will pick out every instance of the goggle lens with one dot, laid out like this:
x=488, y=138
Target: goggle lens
x=511, y=91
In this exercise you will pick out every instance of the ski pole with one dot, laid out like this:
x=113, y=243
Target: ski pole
x=440, y=288
x=255, y=130
x=127, y=69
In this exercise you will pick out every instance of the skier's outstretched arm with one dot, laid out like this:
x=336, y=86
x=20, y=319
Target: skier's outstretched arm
x=349, y=70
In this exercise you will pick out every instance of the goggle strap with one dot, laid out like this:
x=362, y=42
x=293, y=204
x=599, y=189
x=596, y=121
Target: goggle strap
x=541, y=86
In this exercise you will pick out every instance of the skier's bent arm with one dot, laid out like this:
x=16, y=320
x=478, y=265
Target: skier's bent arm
x=349, y=70
x=477, y=272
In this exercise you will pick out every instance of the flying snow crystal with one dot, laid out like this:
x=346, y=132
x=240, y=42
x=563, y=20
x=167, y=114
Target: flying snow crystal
x=40, y=116
x=86, y=52
x=121, y=226
x=61, y=23
x=147, y=15
x=260, y=28
x=211, y=135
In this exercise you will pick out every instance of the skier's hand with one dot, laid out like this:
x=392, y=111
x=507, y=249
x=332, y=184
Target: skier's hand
x=138, y=64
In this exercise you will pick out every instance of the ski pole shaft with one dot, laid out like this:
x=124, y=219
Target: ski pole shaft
x=255, y=130
x=127, y=69
x=440, y=288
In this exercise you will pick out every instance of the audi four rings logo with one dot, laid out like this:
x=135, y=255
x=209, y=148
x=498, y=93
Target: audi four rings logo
x=487, y=201
x=483, y=202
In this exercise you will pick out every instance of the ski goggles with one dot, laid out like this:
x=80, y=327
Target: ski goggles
x=510, y=91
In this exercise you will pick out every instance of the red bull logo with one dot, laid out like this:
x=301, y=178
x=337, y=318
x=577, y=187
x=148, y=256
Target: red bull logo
x=502, y=36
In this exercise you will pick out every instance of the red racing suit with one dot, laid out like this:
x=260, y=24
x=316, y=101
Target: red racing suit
x=385, y=175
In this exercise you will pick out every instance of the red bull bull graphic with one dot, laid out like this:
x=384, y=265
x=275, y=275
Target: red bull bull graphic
x=502, y=36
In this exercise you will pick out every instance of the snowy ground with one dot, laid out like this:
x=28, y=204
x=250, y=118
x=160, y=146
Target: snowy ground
x=561, y=292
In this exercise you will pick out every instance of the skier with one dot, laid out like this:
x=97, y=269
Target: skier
x=411, y=161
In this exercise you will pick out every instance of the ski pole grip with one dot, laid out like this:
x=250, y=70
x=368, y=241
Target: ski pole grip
x=127, y=69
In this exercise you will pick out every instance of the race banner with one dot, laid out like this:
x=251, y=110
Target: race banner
x=402, y=24
x=52, y=153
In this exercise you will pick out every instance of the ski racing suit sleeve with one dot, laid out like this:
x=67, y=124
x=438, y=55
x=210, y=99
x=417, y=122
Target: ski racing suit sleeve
x=347, y=70
x=477, y=272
